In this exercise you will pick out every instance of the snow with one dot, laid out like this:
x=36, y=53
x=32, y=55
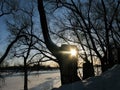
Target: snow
x=110, y=80
x=42, y=80
x=46, y=80
x=73, y=86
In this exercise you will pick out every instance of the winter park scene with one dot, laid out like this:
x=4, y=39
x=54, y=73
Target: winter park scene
x=59, y=44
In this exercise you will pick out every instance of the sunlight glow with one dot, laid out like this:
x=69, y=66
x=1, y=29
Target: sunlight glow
x=73, y=52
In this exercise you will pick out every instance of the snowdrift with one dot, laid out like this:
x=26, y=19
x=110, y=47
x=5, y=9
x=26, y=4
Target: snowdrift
x=110, y=80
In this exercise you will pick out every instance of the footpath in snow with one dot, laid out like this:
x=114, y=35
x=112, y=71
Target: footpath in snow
x=110, y=80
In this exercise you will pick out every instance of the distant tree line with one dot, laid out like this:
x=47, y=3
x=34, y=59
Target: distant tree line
x=29, y=68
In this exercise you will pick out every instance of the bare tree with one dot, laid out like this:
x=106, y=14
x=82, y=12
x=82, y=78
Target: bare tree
x=22, y=47
x=97, y=24
x=6, y=8
x=93, y=28
x=31, y=46
x=63, y=60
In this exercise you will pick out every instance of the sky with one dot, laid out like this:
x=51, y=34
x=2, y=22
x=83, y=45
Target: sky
x=3, y=35
x=4, y=41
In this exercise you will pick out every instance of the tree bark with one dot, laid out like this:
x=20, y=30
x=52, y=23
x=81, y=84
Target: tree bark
x=68, y=69
x=50, y=45
x=68, y=66
x=25, y=76
x=88, y=70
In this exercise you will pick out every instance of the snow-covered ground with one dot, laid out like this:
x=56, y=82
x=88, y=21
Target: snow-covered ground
x=110, y=80
x=42, y=80
x=46, y=80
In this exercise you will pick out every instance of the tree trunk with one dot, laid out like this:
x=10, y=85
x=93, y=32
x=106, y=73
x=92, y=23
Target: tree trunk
x=118, y=55
x=68, y=66
x=104, y=63
x=25, y=76
x=68, y=73
x=88, y=70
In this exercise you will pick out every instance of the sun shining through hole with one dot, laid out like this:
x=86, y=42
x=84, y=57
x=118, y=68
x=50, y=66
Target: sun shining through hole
x=73, y=52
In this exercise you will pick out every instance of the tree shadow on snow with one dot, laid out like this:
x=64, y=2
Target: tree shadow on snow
x=48, y=85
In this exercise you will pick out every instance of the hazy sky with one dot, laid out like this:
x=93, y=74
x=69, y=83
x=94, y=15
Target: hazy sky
x=3, y=35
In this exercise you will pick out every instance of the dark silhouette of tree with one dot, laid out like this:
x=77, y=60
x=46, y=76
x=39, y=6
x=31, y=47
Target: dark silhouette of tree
x=67, y=70
x=7, y=8
x=22, y=47
x=92, y=25
x=97, y=23
x=4, y=5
